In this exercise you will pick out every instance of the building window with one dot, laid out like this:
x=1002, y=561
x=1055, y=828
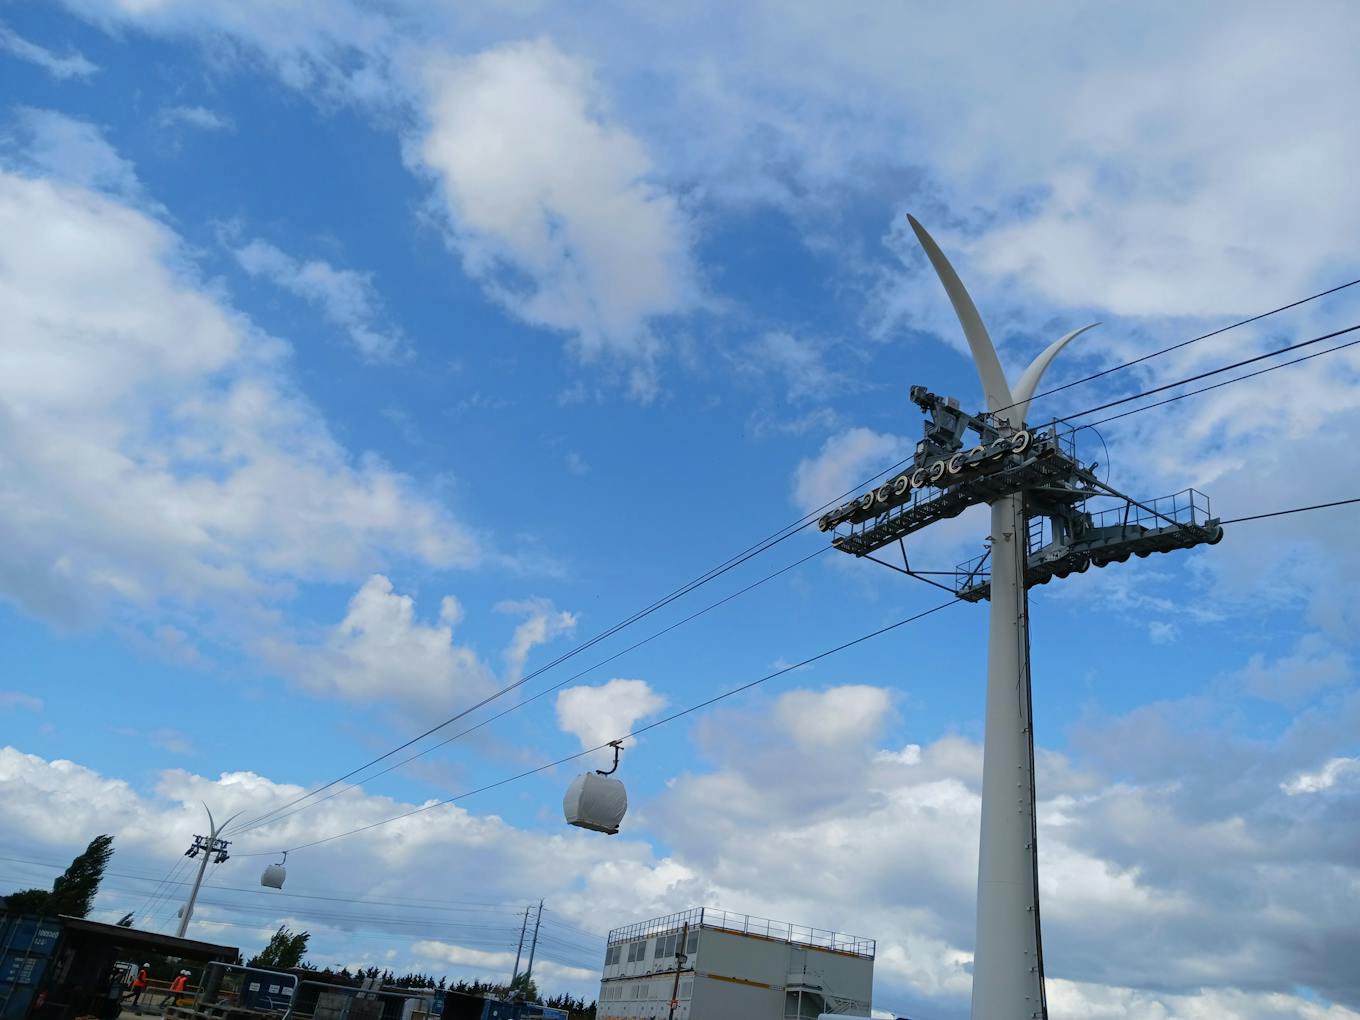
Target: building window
x=692, y=944
x=611, y=956
x=665, y=947
x=687, y=988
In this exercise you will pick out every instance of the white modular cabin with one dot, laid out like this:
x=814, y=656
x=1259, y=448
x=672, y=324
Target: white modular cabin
x=708, y=964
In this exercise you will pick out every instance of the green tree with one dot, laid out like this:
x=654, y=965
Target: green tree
x=28, y=901
x=285, y=950
x=74, y=890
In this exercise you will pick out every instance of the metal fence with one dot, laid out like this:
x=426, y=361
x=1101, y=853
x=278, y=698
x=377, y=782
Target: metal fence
x=746, y=924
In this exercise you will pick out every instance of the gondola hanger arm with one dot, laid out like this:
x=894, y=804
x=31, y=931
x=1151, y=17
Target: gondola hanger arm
x=617, y=745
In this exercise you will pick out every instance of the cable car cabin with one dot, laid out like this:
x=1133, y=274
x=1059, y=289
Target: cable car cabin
x=595, y=802
x=273, y=876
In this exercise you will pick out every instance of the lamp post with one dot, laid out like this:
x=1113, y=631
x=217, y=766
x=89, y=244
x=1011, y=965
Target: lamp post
x=208, y=846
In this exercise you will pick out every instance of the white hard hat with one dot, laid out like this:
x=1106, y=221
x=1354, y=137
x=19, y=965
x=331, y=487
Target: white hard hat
x=146, y=965
x=185, y=973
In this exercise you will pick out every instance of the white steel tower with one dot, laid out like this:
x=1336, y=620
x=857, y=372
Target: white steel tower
x=1027, y=477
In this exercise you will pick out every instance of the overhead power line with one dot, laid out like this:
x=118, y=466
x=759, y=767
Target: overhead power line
x=751, y=551
x=1292, y=510
x=590, y=750
x=1186, y=343
x=763, y=545
x=1225, y=382
x=356, y=898
x=529, y=700
x=1219, y=371
x=698, y=706
x=1203, y=389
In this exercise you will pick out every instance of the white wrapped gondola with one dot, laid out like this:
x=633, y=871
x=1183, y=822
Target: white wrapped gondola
x=596, y=802
x=274, y=874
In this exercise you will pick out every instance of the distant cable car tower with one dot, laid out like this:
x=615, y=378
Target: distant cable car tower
x=1041, y=529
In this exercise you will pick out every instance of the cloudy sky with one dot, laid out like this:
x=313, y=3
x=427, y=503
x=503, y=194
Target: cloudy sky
x=360, y=360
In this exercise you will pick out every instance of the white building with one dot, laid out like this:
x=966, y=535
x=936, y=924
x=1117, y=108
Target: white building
x=715, y=965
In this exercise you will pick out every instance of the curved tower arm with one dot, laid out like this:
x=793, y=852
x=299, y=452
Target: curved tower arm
x=994, y=387
x=1029, y=382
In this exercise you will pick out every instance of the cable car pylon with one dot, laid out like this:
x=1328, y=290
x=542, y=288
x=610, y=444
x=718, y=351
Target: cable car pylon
x=1037, y=490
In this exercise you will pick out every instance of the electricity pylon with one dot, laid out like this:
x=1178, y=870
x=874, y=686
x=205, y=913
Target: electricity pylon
x=1037, y=491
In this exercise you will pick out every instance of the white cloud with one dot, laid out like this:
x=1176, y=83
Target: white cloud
x=845, y=459
x=346, y=298
x=889, y=840
x=75, y=151
x=1160, y=632
x=799, y=361
x=854, y=714
x=48, y=809
x=1104, y=1002
x=341, y=50
x=1157, y=199
x=543, y=622
x=596, y=715
x=172, y=740
x=73, y=65
x=1293, y=679
x=1335, y=771
x=552, y=205
x=155, y=447
x=380, y=651
x=18, y=699
x=503, y=962
x=196, y=117
x=1209, y=880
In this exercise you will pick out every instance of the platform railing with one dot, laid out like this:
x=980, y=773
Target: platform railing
x=746, y=924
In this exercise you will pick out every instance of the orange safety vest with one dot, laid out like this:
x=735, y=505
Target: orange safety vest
x=140, y=980
x=178, y=984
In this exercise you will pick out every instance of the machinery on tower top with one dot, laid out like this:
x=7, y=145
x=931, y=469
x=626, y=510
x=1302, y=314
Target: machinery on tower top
x=965, y=459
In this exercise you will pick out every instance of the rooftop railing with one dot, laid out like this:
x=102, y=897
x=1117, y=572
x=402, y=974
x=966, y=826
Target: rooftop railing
x=745, y=924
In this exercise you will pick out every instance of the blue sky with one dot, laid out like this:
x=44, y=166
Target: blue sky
x=361, y=359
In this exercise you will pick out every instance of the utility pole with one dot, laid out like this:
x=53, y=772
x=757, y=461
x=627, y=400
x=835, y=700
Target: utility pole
x=1040, y=529
x=529, y=970
x=209, y=846
x=679, y=966
x=523, y=926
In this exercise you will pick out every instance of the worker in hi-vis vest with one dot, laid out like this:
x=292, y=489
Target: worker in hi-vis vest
x=176, y=988
x=139, y=985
